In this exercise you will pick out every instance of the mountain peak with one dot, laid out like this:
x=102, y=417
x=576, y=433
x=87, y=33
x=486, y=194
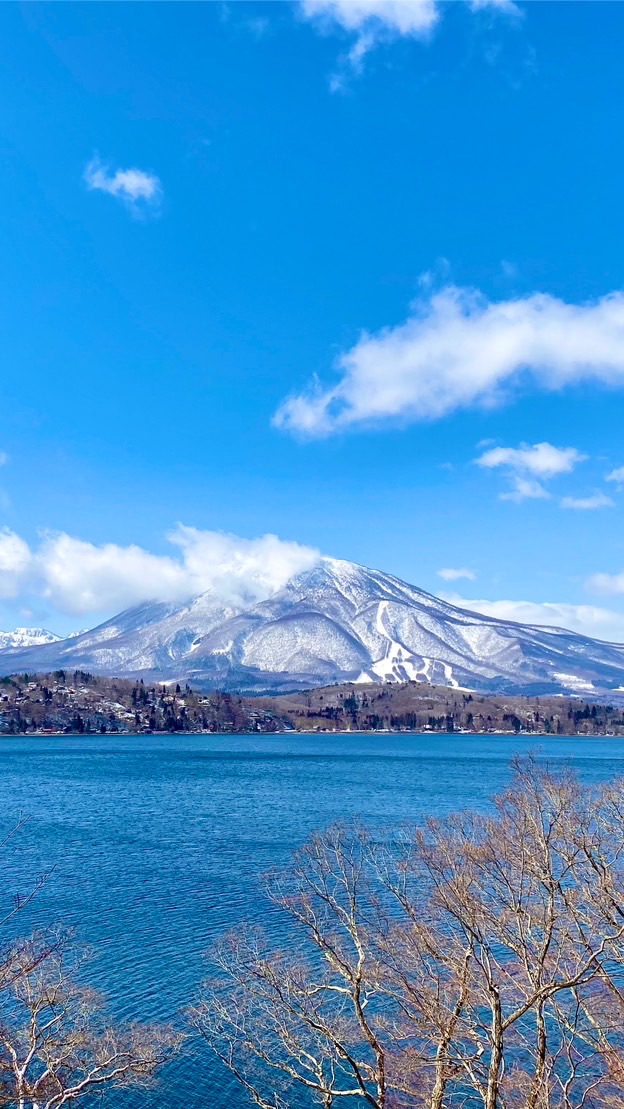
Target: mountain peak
x=336, y=621
x=27, y=637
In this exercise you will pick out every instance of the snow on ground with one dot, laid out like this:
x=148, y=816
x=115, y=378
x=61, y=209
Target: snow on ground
x=397, y=663
x=27, y=637
x=572, y=681
x=327, y=622
x=448, y=674
x=426, y=669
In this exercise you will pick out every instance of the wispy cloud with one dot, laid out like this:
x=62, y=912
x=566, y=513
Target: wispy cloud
x=509, y=269
x=524, y=489
x=609, y=584
x=4, y=458
x=586, y=504
x=616, y=475
x=368, y=23
x=542, y=459
x=457, y=350
x=592, y=620
x=450, y=574
x=138, y=190
x=525, y=464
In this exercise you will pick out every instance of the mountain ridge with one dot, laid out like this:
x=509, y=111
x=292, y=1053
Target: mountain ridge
x=335, y=622
x=27, y=637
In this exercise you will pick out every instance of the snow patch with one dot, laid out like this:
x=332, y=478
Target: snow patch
x=328, y=624
x=396, y=665
x=573, y=681
x=448, y=674
x=426, y=672
x=27, y=637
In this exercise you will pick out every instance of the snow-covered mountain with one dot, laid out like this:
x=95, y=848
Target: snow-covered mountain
x=27, y=637
x=336, y=622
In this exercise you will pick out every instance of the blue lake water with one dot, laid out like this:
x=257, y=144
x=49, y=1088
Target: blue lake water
x=158, y=843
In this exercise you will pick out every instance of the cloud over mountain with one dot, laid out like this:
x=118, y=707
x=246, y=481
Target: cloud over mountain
x=338, y=621
x=77, y=577
x=591, y=620
x=450, y=574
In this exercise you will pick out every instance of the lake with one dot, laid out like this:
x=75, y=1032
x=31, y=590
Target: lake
x=158, y=843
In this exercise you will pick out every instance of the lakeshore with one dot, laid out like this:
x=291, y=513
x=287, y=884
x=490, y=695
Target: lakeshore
x=77, y=702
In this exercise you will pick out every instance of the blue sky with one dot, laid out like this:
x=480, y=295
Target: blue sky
x=295, y=268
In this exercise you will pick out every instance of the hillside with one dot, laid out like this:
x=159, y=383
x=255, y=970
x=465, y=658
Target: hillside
x=334, y=623
x=80, y=703
x=420, y=707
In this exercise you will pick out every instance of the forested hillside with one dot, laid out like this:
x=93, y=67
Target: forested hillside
x=78, y=702
x=415, y=706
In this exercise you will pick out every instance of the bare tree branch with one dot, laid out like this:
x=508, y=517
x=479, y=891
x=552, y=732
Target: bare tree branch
x=474, y=960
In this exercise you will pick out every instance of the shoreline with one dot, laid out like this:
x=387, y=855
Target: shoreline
x=312, y=732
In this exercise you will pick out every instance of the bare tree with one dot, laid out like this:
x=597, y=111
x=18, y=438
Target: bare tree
x=56, y=1044
x=311, y=1022
x=471, y=961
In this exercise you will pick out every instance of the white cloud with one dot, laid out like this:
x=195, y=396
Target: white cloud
x=599, y=623
x=371, y=22
x=524, y=489
x=525, y=464
x=247, y=569
x=77, y=577
x=15, y=560
x=616, y=475
x=4, y=458
x=541, y=459
x=449, y=574
x=584, y=504
x=458, y=350
x=136, y=188
x=609, y=584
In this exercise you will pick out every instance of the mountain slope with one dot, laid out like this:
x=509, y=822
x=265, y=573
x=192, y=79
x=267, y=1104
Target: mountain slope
x=27, y=637
x=336, y=622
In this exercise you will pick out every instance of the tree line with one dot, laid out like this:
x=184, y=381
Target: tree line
x=415, y=706
x=77, y=702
